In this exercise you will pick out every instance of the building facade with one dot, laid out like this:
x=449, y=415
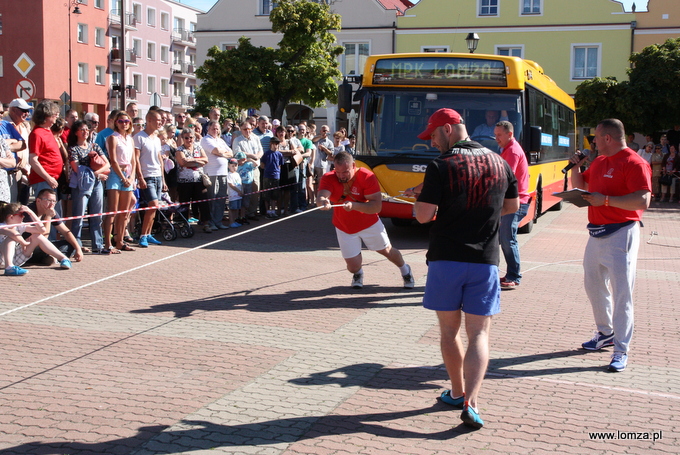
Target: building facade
x=573, y=40
x=368, y=27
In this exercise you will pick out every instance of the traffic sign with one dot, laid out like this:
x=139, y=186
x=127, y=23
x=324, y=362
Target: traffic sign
x=24, y=64
x=25, y=89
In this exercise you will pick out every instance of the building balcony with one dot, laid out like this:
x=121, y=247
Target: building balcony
x=130, y=92
x=184, y=36
x=183, y=68
x=130, y=57
x=185, y=100
x=130, y=20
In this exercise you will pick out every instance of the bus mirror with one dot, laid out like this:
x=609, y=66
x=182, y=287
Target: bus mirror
x=535, y=138
x=345, y=97
x=369, y=110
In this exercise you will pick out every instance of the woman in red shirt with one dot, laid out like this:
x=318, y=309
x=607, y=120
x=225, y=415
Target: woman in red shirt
x=45, y=158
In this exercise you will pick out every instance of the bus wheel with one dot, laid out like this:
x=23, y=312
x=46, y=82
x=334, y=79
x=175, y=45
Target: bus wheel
x=401, y=222
x=526, y=228
x=557, y=207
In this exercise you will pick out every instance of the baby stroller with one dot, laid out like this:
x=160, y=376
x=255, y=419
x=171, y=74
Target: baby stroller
x=170, y=220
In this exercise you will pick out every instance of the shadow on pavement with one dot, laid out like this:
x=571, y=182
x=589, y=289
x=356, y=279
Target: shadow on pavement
x=401, y=378
x=502, y=367
x=334, y=297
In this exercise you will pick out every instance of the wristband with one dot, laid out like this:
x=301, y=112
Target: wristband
x=606, y=201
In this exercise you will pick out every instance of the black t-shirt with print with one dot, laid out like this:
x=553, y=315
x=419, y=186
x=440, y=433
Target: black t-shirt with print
x=469, y=184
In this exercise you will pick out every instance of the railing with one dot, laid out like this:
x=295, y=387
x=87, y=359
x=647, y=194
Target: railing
x=130, y=18
x=130, y=56
x=183, y=100
x=180, y=34
x=183, y=68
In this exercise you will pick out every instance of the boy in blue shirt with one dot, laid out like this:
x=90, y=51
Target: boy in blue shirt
x=272, y=160
x=246, y=166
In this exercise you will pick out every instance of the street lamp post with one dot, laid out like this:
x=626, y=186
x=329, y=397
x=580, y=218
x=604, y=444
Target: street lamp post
x=76, y=10
x=472, y=40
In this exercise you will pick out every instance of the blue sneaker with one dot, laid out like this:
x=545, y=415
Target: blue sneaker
x=65, y=263
x=15, y=271
x=446, y=397
x=235, y=225
x=192, y=220
x=151, y=239
x=471, y=418
x=143, y=241
x=619, y=362
x=599, y=341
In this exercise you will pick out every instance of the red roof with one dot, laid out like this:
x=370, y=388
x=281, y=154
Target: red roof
x=400, y=5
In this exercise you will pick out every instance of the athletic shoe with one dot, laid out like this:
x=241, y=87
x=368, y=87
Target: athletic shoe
x=471, y=418
x=192, y=220
x=207, y=229
x=409, y=281
x=65, y=263
x=150, y=238
x=242, y=221
x=212, y=226
x=222, y=226
x=599, y=341
x=358, y=280
x=446, y=397
x=235, y=225
x=509, y=284
x=15, y=270
x=619, y=362
x=143, y=241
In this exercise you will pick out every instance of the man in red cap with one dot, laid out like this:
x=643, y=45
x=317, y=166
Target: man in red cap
x=468, y=187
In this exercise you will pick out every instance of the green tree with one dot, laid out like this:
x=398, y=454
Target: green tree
x=205, y=102
x=655, y=85
x=304, y=67
x=646, y=102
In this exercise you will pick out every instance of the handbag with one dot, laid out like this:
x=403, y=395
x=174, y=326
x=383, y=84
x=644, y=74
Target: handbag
x=666, y=180
x=206, y=180
x=97, y=162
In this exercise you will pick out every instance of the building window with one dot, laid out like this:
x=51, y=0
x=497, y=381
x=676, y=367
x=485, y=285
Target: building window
x=228, y=47
x=82, y=33
x=82, y=72
x=266, y=6
x=99, y=4
x=137, y=11
x=115, y=77
x=585, y=61
x=531, y=6
x=165, y=54
x=137, y=82
x=137, y=47
x=511, y=51
x=178, y=89
x=354, y=58
x=165, y=21
x=151, y=17
x=99, y=73
x=435, y=49
x=150, y=50
x=179, y=24
x=165, y=87
x=151, y=84
x=99, y=37
x=488, y=7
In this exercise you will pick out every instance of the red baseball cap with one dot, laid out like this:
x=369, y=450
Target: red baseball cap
x=440, y=118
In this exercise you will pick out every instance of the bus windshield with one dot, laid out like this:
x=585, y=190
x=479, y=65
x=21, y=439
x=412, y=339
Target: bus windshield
x=393, y=119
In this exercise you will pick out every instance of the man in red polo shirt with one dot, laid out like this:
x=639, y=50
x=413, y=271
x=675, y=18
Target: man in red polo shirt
x=357, y=220
x=620, y=188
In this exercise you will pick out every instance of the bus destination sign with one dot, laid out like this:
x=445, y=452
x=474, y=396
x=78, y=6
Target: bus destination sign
x=471, y=72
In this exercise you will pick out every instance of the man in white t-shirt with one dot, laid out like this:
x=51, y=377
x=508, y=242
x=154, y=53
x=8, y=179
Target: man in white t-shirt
x=217, y=169
x=150, y=179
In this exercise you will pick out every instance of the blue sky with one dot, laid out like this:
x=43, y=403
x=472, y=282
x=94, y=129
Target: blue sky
x=205, y=5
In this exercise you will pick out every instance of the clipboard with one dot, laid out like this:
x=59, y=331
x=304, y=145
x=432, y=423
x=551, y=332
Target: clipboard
x=574, y=196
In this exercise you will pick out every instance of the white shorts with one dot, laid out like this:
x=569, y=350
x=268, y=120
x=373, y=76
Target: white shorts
x=374, y=237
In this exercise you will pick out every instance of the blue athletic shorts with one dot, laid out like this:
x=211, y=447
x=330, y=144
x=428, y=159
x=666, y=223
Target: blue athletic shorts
x=472, y=288
x=235, y=205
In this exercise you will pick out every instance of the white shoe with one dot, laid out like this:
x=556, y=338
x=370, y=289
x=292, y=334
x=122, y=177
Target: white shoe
x=409, y=281
x=358, y=280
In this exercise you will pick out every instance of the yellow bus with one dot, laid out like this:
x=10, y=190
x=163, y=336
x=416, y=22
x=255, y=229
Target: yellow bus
x=398, y=92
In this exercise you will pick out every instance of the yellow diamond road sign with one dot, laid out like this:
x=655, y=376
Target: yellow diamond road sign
x=24, y=64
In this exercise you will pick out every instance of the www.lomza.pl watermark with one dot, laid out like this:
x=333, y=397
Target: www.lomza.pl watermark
x=623, y=435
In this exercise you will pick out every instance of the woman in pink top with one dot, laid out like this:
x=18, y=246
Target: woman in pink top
x=120, y=183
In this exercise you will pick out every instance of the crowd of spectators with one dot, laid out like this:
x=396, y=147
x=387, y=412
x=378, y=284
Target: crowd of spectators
x=662, y=157
x=70, y=167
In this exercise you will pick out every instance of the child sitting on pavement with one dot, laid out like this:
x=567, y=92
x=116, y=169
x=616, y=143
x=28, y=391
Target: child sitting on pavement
x=273, y=161
x=15, y=250
x=237, y=212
